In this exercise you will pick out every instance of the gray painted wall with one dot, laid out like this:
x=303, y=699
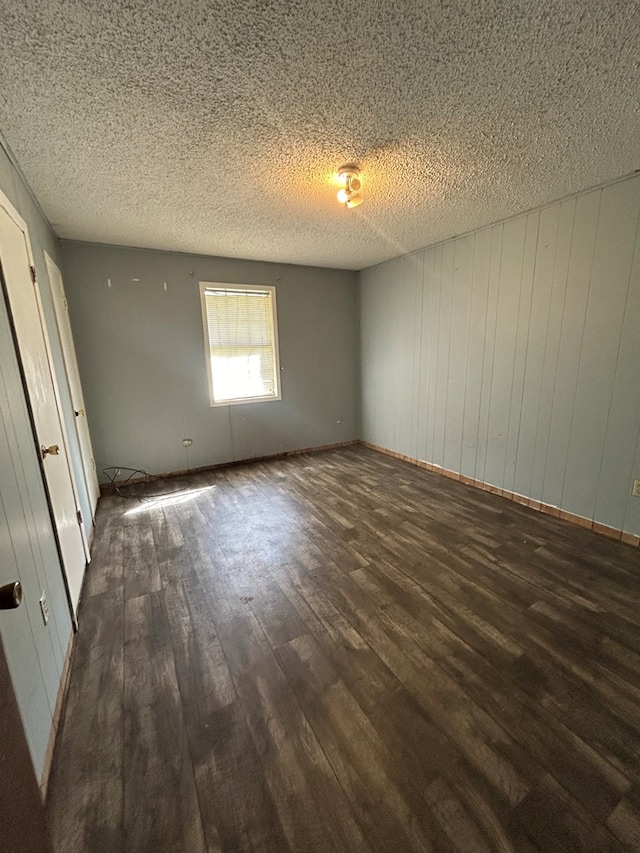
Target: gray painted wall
x=141, y=356
x=512, y=355
x=35, y=653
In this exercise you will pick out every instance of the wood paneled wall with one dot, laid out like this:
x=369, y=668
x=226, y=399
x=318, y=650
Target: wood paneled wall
x=512, y=355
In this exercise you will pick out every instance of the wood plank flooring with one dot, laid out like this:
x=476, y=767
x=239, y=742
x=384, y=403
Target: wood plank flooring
x=341, y=652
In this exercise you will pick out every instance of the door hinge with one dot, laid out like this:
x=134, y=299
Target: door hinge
x=79, y=517
x=33, y=274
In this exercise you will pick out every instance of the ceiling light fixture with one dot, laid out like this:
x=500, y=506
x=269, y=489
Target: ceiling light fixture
x=349, y=194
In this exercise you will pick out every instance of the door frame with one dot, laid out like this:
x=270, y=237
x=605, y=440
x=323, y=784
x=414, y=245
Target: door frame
x=63, y=425
x=70, y=362
x=19, y=222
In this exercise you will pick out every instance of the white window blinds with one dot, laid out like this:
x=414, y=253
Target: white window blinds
x=242, y=342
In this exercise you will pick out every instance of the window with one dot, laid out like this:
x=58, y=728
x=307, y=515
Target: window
x=241, y=342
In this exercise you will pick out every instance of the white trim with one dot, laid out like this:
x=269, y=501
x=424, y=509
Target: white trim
x=63, y=425
x=70, y=365
x=213, y=285
x=8, y=206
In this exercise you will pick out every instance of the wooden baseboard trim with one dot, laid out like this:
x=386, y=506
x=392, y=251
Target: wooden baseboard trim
x=523, y=500
x=62, y=692
x=107, y=488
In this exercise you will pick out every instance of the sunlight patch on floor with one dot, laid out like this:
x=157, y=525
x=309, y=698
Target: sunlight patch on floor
x=168, y=500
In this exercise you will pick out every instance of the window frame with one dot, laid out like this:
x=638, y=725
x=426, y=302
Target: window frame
x=217, y=285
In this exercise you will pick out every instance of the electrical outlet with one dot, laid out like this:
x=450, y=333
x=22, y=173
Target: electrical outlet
x=636, y=488
x=44, y=606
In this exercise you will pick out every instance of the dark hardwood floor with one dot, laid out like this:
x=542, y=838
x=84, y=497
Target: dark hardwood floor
x=342, y=652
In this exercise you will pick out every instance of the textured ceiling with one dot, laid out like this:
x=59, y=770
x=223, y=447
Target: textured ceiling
x=215, y=127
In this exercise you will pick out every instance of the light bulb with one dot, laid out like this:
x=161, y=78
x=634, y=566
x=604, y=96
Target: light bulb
x=351, y=183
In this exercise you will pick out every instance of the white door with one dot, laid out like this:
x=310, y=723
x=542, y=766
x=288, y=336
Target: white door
x=65, y=434
x=73, y=378
x=17, y=265
x=28, y=555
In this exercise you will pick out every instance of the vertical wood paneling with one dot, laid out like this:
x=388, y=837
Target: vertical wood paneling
x=442, y=358
x=524, y=355
x=550, y=365
x=481, y=264
x=424, y=371
x=491, y=316
x=388, y=330
x=632, y=512
x=417, y=274
x=529, y=260
x=572, y=331
x=458, y=348
x=532, y=339
x=435, y=290
x=391, y=412
x=383, y=337
x=34, y=651
x=42, y=547
x=623, y=421
x=513, y=245
x=378, y=354
x=18, y=632
x=610, y=273
x=369, y=354
x=404, y=339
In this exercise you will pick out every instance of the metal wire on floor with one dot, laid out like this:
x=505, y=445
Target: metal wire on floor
x=150, y=489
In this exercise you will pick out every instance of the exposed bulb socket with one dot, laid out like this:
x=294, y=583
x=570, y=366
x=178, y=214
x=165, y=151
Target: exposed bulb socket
x=351, y=184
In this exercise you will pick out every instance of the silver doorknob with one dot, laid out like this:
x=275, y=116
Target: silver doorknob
x=10, y=595
x=53, y=450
